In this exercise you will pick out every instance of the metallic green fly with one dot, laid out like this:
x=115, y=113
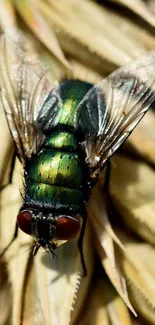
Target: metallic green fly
x=65, y=135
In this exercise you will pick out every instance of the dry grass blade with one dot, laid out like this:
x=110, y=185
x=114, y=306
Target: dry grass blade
x=132, y=31
x=62, y=275
x=139, y=7
x=7, y=15
x=95, y=312
x=104, y=240
x=138, y=322
x=151, y=5
x=132, y=189
x=41, y=29
x=117, y=310
x=139, y=271
x=5, y=292
x=81, y=15
x=72, y=30
x=142, y=140
x=121, y=45
x=7, y=150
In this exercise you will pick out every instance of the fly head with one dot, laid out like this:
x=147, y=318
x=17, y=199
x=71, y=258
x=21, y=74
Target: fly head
x=49, y=229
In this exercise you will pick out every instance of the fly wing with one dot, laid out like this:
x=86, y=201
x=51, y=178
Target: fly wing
x=27, y=97
x=111, y=110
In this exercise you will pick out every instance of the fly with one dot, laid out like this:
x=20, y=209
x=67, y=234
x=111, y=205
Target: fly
x=64, y=136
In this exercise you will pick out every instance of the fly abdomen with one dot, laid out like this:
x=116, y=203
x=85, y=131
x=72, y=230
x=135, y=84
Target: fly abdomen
x=56, y=174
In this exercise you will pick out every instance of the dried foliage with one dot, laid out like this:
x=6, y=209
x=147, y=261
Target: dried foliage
x=86, y=40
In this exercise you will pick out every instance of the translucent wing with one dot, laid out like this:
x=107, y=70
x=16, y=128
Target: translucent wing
x=27, y=96
x=111, y=110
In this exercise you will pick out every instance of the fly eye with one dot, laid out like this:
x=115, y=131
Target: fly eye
x=67, y=228
x=24, y=219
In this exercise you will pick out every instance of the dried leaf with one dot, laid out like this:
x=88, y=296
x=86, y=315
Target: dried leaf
x=137, y=322
x=5, y=292
x=94, y=311
x=99, y=216
x=6, y=149
x=140, y=8
x=139, y=272
x=132, y=188
x=80, y=13
x=131, y=29
x=117, y=310
x=57, y=283
x=115, y=275
x=151, y=5
x=7, y=15
x=41, y=29
x=104, y=242
x=142, y=140
x=98, y=55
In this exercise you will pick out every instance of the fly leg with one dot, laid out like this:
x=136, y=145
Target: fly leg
x=12, y=240
x=80, y=244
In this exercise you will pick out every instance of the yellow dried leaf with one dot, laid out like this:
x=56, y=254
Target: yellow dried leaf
x=94, y=311
x=7, y=15
x=131, y=30
x=6, y=149
x=142, y=140
x=99, y=55
x=41, y=29
x=117, y=310
x=120, y=43
x=139, y=270
x=5, y=292
x=104, y=242
x=139, y=7
x=132, y=188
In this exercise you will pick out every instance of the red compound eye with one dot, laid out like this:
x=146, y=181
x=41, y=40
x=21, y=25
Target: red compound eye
x=24, y=219
x=67, y=228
